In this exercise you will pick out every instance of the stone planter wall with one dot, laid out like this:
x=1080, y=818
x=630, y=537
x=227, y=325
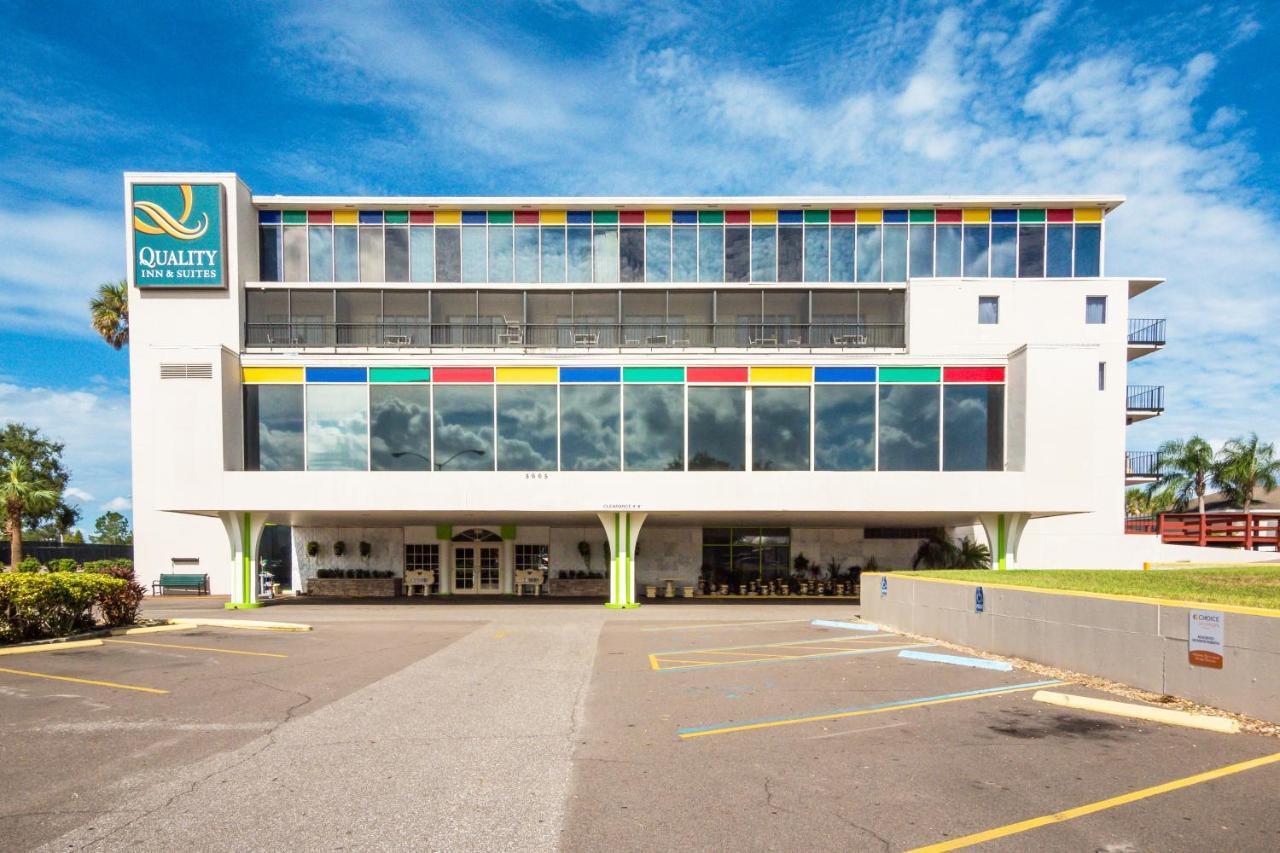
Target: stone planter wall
x=354, y=587
x=579, y=587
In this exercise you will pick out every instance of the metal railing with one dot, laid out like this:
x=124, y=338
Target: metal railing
x=1142, y=463
x=1251, y=530
x=1146, y=398
x=1147, y=332
x=589, y=335
x=1140, y=525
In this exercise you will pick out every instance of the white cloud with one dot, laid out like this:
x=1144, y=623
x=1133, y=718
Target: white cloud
x=77, y=493
x=120, y=504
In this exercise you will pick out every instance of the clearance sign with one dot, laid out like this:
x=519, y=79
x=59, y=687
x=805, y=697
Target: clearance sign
x=178, y=235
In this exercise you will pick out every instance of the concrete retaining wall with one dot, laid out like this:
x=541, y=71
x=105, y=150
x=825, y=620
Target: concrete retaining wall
x=1134, y=642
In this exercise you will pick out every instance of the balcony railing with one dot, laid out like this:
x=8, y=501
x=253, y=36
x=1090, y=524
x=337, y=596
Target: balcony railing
x=1140, y=525
x=1146, y=332
x=1146, y=398
x=576, y=335
x=1141, y=466
x=1251, y=530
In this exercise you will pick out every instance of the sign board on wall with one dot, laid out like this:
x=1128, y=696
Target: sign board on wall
x=178, y=235
x=1204, y=638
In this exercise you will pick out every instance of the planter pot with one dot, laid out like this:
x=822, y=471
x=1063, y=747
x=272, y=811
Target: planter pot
x=688, y=592
x=578, y=587
x=650, y=592
x=354, y=587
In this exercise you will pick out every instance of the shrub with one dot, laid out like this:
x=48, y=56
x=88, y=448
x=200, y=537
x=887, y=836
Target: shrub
x=120, y=607
x=28, y=564
x=35, y=606
x=63, y=564
x=100, y=565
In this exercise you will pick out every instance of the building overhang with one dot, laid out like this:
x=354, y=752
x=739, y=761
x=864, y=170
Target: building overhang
x=1139, y=286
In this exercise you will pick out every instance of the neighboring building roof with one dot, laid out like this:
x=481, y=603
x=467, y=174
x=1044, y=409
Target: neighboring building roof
x=1217, y=502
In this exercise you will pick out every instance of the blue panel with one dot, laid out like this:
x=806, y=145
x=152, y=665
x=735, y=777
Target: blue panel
x=336, y=374
x=1004, y=216
x=579, y=217
x=895, y=216
x=844, y=374
x=371, y=217
x=685, y=217
x=590, y=374
x=269, y=217
x=790, y=217
x=474, y=217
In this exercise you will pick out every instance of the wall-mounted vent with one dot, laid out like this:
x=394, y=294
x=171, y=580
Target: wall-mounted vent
x=186, y=371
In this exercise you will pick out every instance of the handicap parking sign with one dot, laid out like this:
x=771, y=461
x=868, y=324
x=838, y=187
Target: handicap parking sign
x=884, y=586
x=978, y=601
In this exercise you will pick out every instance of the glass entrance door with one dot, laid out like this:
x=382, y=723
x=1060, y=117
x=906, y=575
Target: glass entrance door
x=490, y=569
x=477, y=568
x=464, y=568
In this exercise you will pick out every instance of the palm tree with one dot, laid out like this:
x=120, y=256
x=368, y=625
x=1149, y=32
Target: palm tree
x=21, y=493
x=1244, y=466
x=971, y=554
x=110, y=309
x=939, y=552
x=1186, y=468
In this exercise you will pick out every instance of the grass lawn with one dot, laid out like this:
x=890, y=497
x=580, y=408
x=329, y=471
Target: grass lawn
x=1253, y=586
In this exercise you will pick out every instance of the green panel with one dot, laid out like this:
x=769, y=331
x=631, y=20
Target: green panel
x=295, y=217
x=921, y=216
x=817, y=217
x=1031, y=216
x=396, y=217
x=507, y=532
x=604, y=217
x=910, y=374
x=399, y=374
x=501, y=217
x=653, y=374
x=711, y=217
x=444, y=531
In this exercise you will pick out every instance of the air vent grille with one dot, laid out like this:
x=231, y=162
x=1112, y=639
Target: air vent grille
x=186, y=371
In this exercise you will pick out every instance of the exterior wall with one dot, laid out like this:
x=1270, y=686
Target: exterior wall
x=669, y=552
x=563, y=549
x=387, y=550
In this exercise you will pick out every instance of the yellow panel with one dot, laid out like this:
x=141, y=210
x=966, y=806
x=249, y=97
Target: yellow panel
x=764, y=217
x=527, y=375
x=870, y=216
x=657, y=217
x=273, y=374
x=344, y=217
x=448, y=217
x=977, y=215
x=772, y=375
x=551, y=217
x=1088, y=214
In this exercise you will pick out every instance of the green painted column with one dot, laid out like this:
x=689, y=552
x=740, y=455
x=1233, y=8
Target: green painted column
x=1002, y=542
x=622, y=529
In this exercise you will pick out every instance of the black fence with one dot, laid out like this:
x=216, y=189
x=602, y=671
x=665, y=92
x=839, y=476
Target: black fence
x=1146, y=398
x=46, y=551
x=1142, y=463
x=1146, y=331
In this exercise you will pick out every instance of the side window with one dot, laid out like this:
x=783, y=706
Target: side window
x=1102, y=376
x=988, y=310
x=1095, y=310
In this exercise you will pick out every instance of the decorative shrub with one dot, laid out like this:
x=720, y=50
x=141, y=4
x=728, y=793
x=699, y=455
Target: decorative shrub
x=365, y=550
x=120, y=607
x=584, y=550
x=63, y=564
x=28, y=564
x=313, y=548
x=99, y=565
x=339, y=548
x=36, y=606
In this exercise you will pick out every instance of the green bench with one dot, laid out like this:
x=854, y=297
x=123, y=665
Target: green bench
x=198, y=584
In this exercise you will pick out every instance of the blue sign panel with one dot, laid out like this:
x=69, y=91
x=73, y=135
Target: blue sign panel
x=884, y=586
x=979, y=602
x=178, y=235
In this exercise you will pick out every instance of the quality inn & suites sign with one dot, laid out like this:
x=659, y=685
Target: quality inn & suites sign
x=177, y=234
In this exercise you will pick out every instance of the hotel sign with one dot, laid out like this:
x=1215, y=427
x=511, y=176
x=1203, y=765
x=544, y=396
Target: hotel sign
x=1204, y=638
x=178, y=235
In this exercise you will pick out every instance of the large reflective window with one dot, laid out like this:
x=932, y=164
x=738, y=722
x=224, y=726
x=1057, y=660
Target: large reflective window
x=717, y=428
x=346, y=253
x=553, y=257
x=737, y=254
x=908, y=428
x=422, y=253
x=843, y=240
x=527, y=254
x=790, y=253
x=397, y=252
x=1058, y=262
x=589, y=428
x=1004, y=254
x=474, y=253
x=269, y=253
x=1030, y=251
x=295, y=253
x=921, y=251
x=273, y=428
x=973, y=428
x=977, y=250
x=501, y=254
x=337, y=427
x=464, y=428
x=947, y=252
x=526, y=427
x=870, y=253
x=372, y=254
x=605, y=248
x=657, y=253
x=764, y=253
x=844, y=423
x=711, y=253
x=400, y=427
x=320, y=253
x=631, y=253
x=780, y=429
x=653, y=427
x=895, y=253
x=817, y=253
x=1088, y=250
x=448, y=254
x=579, y=254
x=684, y=253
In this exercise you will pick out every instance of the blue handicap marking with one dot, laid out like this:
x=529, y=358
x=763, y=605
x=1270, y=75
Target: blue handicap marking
x=884, y=586
x=978, y=600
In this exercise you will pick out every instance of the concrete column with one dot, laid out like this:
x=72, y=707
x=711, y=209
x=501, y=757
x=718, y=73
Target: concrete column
x=244, y=533
x=1004, y=531
x=622, y=529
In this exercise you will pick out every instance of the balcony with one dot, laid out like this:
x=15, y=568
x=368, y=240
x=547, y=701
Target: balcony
x=1145, y=336
x=1141, y=467
x=1143, y=402
x=593, y=336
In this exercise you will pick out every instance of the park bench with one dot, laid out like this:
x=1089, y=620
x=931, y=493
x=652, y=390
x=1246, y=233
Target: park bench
x=194, y=583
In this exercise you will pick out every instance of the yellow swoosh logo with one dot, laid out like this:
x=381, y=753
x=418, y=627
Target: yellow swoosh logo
x=162, y=221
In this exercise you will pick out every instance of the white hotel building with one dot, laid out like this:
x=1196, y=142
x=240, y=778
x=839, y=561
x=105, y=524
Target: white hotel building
x=685, y=389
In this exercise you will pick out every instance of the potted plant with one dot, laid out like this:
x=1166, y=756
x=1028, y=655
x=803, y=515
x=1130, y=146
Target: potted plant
x=313, y=548
x=339, y=548
x=365, y=550
x=584, y=551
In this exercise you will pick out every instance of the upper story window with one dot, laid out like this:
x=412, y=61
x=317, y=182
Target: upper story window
x=712, y=246
x=988, y=310
x=1095, y=310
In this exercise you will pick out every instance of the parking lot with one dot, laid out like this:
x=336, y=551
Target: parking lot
x=685, y=727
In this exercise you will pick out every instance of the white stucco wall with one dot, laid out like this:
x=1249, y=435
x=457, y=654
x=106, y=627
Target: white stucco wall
x=387, y=550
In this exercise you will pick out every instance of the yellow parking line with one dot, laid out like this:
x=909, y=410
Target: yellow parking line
x=198, y=648
x=694, y=662
x=743, y=654
x=778, y=645
x=842, y=653
x=83, y=681
x=721, y=625
x=1100, y=805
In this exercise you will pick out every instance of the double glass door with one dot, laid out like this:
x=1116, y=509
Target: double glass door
x=477, y=568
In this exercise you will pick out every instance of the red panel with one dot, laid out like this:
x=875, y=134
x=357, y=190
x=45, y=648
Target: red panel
x=422, y=217
x=1060, y=215
x=841, y=217
x=716, y=374
x=947, y=216
x=320, y=217
x=973, y=374
x=526, y=217
x=737, y=217
x=631, y=217
x=462, y=374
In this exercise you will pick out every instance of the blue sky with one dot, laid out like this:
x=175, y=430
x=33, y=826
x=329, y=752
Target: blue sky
x=1170, y=104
